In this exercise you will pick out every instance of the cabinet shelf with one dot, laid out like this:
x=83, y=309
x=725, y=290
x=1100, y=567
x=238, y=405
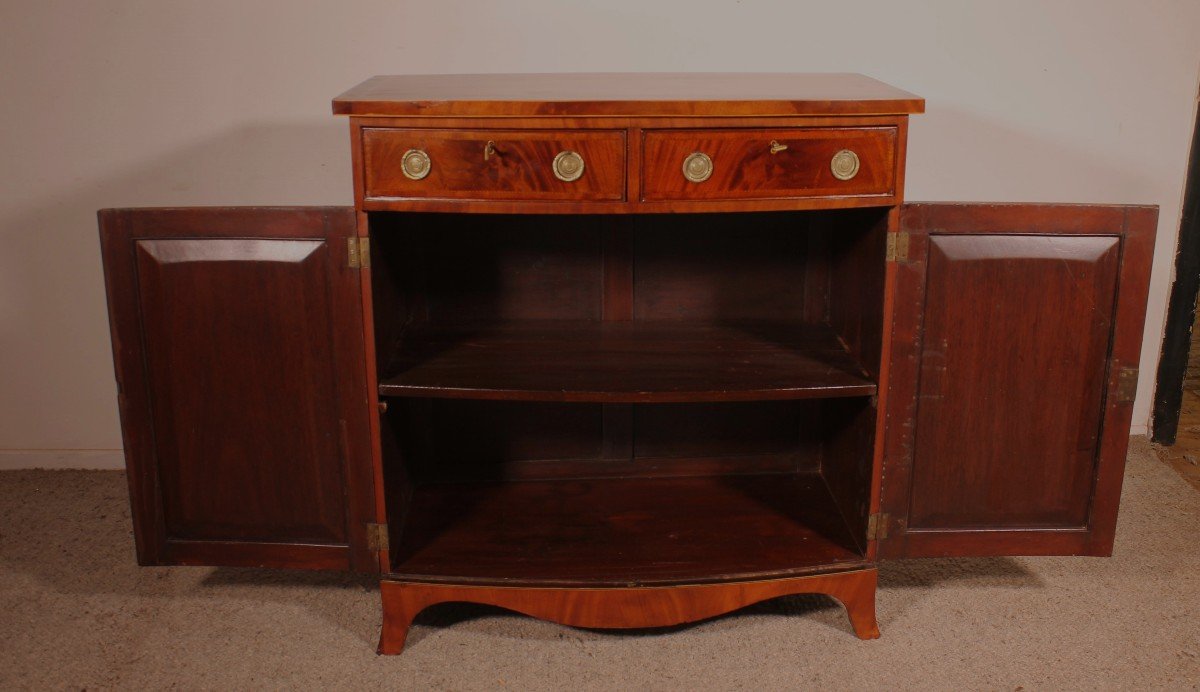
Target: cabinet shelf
x=617, y=532
x=626, y=362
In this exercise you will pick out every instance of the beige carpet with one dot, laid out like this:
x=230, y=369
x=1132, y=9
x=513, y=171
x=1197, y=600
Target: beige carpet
x=75, y=612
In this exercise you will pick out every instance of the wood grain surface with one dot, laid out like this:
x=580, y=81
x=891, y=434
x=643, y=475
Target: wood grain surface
x=237, y=338
x=744, y=167
x=1019, y=320
x=519, y=164
x=630, y=94
x=620, y=608
x=626, y=362
x=622, y=531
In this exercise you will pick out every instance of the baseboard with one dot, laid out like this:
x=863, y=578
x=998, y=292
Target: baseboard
x=61, y=459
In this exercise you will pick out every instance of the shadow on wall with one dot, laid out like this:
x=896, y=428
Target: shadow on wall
x=57, y=369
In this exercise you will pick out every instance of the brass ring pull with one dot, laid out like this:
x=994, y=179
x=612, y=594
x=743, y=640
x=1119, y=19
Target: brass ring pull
x=489, y=150
x=415, y=164
x=776, y=147
x=697, y=167
x=844, y=164
x=568, y=166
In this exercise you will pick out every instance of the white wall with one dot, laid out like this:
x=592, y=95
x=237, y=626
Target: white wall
x=119, y=103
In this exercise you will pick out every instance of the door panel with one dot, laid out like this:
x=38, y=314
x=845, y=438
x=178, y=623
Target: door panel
x=238, y=339
x=1006, y=432
x=1022, y=368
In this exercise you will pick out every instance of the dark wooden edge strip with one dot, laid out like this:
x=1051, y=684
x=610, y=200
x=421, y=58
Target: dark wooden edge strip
x=252, y=554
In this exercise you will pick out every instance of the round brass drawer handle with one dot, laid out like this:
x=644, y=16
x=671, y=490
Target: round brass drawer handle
x=415, y=164
x=844, y=164
x=568, y=166
x=697, y=167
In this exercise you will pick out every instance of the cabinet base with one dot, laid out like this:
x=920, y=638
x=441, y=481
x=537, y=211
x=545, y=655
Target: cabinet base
x=617, y=608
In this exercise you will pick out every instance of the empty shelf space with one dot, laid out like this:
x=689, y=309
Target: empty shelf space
x=615, y=532
x=626, y=362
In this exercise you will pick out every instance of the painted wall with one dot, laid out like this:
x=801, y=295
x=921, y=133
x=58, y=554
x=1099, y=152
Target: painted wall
x=207, y=102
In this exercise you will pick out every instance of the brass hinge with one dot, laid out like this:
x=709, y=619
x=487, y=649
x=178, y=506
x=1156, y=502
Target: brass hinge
x=1127, y=380
x=877, y=526
x=897, y=247
x=377, y=537
x=358, y=252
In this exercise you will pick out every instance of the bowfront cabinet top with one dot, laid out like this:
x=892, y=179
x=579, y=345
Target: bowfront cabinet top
x=627, y=95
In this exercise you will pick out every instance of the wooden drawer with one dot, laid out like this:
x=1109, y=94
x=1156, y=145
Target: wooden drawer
x=769, y=163
x=518, y=165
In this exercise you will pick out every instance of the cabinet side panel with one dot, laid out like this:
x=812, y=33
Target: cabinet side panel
x=137, y=434
x=856, y=276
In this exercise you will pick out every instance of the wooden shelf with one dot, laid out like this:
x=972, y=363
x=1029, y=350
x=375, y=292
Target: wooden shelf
x=618, y=532
x=626, y=362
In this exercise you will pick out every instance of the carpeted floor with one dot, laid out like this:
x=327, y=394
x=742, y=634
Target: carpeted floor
x=75, y=612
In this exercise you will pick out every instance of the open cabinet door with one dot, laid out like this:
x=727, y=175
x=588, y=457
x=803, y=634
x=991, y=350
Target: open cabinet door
x=238, y=343
x=1015, y=343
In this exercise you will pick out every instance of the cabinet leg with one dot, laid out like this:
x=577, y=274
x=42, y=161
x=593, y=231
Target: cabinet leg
x=857, y=594
x=400, y=606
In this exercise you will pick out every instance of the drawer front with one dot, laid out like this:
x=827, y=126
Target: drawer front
x=494, y=164
x=769, y=164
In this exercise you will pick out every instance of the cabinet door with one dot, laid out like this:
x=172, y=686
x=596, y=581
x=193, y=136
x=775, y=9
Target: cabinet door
x=1015, y=340
x=239, y=350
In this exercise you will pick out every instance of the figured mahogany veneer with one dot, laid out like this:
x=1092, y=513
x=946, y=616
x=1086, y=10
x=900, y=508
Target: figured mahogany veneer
x=744, y=165
x=517, y=165
x=626, y=94
x=605, y=117
x=625, y=608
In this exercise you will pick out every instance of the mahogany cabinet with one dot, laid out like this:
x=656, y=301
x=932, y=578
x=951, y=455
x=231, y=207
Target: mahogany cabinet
x=624, y=351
